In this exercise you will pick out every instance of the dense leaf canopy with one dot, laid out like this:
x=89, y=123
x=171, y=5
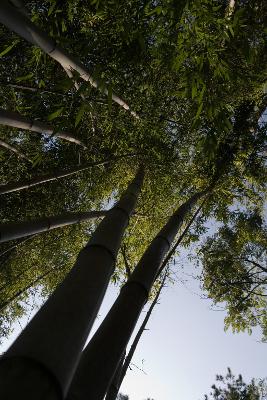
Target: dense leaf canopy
x=195, y=74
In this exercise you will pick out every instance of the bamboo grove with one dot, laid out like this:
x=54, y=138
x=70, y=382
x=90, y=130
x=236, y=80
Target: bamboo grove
x=124, y=131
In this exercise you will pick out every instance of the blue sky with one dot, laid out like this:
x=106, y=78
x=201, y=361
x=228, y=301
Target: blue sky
x=186, y=346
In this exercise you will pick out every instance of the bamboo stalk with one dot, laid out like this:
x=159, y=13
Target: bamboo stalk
x=16, y=120
x=13, y=149
x=95, y=370
x=17, y=230
x=122, y=368
x=22, y=25
x=26, y=184
x=43, y=359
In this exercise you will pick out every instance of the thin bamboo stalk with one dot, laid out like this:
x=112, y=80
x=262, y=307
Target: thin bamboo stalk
x=22, y=25
x=116, y=381
x=123, y=367
x=95, y=370
x=43, y=359
x=17, y=230
x=13, y=149
x=16, y=120
x=26, y=184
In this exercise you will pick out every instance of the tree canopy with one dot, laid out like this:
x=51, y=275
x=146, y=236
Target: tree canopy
x=230, y=387
x=195, y=76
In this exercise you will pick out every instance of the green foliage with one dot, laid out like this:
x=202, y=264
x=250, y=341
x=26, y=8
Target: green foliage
x=229, y=387
x=235, y=270
x=192, y=73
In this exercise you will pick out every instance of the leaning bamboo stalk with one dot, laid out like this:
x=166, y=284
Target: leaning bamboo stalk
x=44, y=357
x=16, y=120
x=17, y=230
x=181, y=237
x=114, y=388
x=123, y=367
x=22, y=25
x=95, y=371
x=26, y=184
x=13, y=149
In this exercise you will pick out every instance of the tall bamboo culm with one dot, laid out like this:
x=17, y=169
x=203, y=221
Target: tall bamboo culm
x=41, y=362
x=23, y=26
x=102, y=355
x=123, y=366
x=17, y=230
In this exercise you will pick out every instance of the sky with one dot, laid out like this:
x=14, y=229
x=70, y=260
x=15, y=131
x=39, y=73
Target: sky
x=185, y=346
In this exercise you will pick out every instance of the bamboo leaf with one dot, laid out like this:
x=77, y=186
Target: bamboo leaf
x=51, y=8
x=9, y=48
x=199, y=111
x=25, y=77
x=231, y=30
x=55, y=114
x=36, y=159
x=80, y=114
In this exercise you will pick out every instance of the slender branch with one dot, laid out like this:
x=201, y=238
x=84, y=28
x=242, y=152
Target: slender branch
x=127, y=266
x=76, y=84
x=21, y=241
x=247, y=296
x=15, y=186
x=14, y=150
x=20, y=292
x=16, y=120
x=256, y=264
